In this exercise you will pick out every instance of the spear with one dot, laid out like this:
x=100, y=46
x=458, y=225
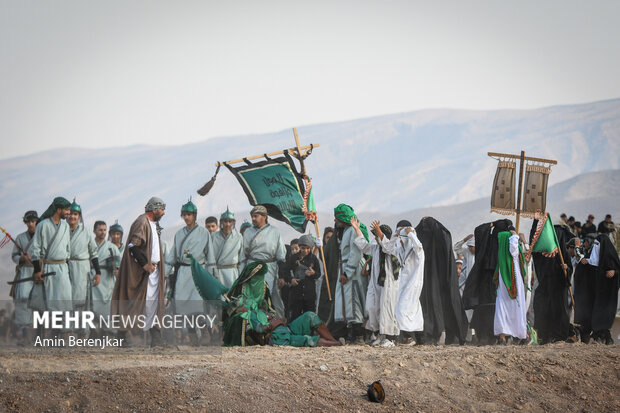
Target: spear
x=8, y=237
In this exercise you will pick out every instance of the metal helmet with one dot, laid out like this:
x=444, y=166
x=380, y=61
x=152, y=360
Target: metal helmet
x=116, y=227
x=189, y=207
x=74, y=207
x=227, y=215
x=31, y=216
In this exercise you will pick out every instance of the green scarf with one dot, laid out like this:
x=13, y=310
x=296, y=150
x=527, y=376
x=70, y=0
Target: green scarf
x=344, y=213
x=58, y=202
x=505, y=264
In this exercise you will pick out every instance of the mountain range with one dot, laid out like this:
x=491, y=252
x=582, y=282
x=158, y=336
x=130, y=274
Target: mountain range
x=429, y=162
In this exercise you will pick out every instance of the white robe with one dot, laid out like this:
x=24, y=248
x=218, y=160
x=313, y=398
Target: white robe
x=411, y=257
x=197, y=241
x=83, y=249
x=55, y=292
x=109, y=259
x=23, y=314
x=380, y=301
x=510, y=313
x=225, y=256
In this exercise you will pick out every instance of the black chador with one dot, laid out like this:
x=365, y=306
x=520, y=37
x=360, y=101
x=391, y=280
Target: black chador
x=480, y=291
x=596, y=294
x=440, y=299
x=551, y=308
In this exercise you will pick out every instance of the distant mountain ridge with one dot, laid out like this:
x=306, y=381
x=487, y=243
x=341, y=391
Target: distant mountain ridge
x=386, y=163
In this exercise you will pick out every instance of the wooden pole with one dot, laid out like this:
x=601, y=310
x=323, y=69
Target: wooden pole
x=572, y=299
x=316, y=221
x=527, y=158
x=297, y=152
x=521, y=165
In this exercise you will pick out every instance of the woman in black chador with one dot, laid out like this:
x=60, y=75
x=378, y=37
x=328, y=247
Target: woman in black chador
x=480, y=291
x=440, y=299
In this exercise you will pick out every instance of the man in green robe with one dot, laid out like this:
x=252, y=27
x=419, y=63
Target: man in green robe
x=109, y=261
x=226, y=252
x=351, y=287
x=195, y=240
x=49, y=251
x=83, y=254
x=249, y=318
x=262, y=242
x=24, y=269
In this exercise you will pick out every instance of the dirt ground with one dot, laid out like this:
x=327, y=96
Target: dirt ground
x=557, y=377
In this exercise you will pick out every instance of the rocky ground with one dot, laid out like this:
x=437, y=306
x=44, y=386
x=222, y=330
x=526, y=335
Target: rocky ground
x=558, y=377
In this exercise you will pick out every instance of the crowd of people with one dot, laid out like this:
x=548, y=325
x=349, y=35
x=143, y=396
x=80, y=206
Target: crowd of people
x=379, y=286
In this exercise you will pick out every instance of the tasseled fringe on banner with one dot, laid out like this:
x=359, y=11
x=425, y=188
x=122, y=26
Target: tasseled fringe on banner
x=503, y=211
x=527, y=214
x=310, y=215
x=538, y=168
x=207, y=187
x=507, y=164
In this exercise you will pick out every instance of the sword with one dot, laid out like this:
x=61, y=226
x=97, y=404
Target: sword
x=23, y=280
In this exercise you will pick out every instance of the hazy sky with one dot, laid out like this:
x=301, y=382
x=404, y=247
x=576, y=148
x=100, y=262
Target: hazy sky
x=109, y=73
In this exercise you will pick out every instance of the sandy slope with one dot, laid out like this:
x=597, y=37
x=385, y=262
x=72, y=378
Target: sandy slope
x=559, y=377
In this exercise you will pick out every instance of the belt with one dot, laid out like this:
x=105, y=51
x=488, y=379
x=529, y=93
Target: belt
x=258, y=259
x=53, y=261
x=78, y=259
x=182, y=264
x=26, y=264
x=343, y=261
x=227, y=266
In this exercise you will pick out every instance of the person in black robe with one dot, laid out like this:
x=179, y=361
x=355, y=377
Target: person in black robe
x=551, y=307
x=303, y=269
x=331, y=249
x=603, y=267
x=440, y=299
x=480, y=291
x=584, y=289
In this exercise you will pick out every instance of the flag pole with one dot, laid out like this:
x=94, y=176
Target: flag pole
x=522, y=161
x=316, y=221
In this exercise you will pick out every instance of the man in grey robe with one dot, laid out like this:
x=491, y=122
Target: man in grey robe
x=226, y=252
x=195, y=240
x=262, y=242
x=20, y=292
x=116, y=236
x=49, y=251
x=83, y=249
x=109, y=260
x=351, y=287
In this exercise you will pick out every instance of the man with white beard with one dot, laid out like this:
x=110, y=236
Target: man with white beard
x=406, y=246
x=382, y=294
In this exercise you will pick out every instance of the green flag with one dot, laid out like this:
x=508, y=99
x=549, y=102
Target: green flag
x=207, y=285
x=275, y=184
x=545, y=239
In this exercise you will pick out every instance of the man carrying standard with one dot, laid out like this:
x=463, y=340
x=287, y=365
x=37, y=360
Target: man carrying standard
x=262, y=242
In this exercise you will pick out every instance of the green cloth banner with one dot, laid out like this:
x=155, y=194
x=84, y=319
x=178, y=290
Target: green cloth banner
x=275, y=184
x=548, y=239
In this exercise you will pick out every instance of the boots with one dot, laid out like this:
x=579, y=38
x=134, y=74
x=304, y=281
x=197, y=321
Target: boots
x=193, y=337
x=156, y=340
x=356, y=334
